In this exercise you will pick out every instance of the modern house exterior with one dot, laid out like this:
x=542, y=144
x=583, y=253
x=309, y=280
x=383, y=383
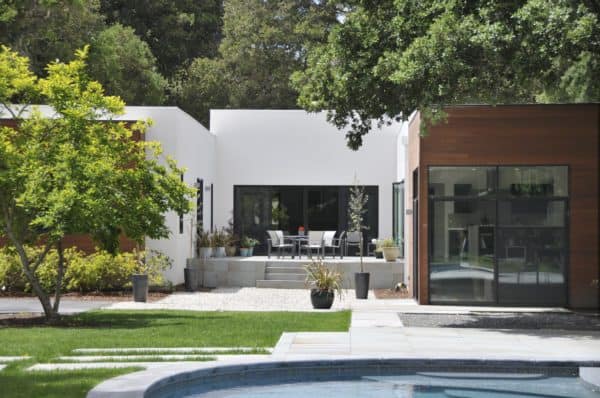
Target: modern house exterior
x=498, y=205
x=502, y=205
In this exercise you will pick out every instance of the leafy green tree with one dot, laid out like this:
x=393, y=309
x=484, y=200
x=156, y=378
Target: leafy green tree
x=125, y=67
x=77, y=171
x=46, y=30
x=386, y=59
x=264, y=42
x=176, y=30
x=201, y=86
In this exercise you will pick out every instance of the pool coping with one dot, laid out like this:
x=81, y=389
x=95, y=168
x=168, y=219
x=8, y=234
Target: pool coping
x=150, y=381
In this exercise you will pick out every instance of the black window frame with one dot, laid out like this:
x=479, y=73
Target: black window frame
x=497, y=198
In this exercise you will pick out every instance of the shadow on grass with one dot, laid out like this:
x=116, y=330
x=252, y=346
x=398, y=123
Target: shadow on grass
x=116, y=319
x=71, y=384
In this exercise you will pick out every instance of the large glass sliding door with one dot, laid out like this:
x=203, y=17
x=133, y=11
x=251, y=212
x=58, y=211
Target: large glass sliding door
x=261, y=208
x=498, y=235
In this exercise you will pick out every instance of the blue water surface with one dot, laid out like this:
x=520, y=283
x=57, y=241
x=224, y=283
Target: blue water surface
x=419, y=385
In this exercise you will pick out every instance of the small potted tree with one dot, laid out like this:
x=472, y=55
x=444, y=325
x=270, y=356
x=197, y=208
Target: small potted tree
x=232, y=239
x=247, y=246
x=324, y=284
x=148, y=268
x=390, y=250
x=356, y=211
x=204, y=245
x=218, y=242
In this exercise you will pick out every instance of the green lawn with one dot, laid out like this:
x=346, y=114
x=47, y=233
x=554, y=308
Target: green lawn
x=103, y=329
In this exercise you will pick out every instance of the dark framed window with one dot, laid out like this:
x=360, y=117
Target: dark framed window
x=263, y=207
x=498, y=235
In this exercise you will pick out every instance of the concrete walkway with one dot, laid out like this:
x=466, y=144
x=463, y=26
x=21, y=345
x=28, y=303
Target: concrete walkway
x=32, y=305
x=381, y=334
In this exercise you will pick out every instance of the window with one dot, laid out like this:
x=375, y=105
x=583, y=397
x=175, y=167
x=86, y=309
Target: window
x=498, y=234
x=261, y=208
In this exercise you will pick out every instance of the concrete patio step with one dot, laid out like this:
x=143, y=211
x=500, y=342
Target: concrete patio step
x=280, y=284
x=284, y=270
x=285, y=277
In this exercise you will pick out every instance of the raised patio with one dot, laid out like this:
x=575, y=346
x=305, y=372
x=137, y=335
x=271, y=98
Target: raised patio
x=287, y=273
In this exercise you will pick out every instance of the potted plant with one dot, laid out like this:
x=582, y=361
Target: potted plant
x=324, y=283
x=204, y=244
x=378, y=249
x=232, y=239
x=301, y=230
x=218, y=242
x=148, y=267
x=356, y=211
x=390, y=250
x=247, y=246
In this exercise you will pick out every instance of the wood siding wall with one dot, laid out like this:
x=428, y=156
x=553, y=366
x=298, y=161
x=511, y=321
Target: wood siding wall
x=522, y=135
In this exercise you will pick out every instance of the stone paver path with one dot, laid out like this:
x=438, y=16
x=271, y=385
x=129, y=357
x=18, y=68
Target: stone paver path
x=182, y=350
x=381, y=334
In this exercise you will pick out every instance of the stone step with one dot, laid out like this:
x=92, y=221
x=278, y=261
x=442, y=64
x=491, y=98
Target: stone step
x=181, y=350
x=280, y=284
x=285, y=270
x=5, y=359
x=285, y=277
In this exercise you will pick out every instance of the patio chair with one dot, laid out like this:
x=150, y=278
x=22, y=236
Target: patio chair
x=277, y=241
x=333, y=243
x=353, y=240
x=314, y=241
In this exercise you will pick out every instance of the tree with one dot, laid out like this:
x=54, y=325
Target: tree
x=77, y=171
x=264, y=42
x=46, y=30
x=177, y=31
x=386, y=59
x=201, y=86
x=126, y=67
x=356, y=213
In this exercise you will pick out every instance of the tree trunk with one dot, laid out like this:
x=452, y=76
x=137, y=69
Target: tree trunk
x=59, y=276
x=361, y=253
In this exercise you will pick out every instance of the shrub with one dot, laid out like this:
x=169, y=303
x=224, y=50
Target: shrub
x=12, y=278
x=99, y=271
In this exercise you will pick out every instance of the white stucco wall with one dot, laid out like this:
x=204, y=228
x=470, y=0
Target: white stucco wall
x=193, y=147
x=293, y=147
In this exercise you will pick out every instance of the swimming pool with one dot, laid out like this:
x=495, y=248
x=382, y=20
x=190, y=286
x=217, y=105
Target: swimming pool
x=394, y=381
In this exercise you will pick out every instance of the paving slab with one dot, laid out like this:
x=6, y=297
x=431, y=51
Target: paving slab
x=130, y=358
x=2, y=367
x=4, y=359
x=182, y=350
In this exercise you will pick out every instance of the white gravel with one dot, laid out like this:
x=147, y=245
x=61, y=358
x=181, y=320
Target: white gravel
x=240, y=299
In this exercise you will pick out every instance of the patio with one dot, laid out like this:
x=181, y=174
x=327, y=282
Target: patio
x=288, y=273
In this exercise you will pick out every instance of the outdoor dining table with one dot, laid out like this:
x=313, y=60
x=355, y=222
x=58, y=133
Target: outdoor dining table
x=297, y=239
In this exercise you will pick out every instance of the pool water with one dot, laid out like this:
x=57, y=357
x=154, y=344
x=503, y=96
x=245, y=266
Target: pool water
x=418, y=385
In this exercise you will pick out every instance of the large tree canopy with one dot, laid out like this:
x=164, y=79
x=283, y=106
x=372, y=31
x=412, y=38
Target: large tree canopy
x=46, y=30
x=126, y=67
x=77, y=170
x=176, y=30
x=388, y=58
x=264, y=42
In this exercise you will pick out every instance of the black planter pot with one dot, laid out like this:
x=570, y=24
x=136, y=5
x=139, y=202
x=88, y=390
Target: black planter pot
x=140, y=287
x=193, y=278
x=361, y=284
x=321, y=299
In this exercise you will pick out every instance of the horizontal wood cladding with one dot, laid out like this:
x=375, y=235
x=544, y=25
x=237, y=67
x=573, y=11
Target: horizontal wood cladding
x=526, y=135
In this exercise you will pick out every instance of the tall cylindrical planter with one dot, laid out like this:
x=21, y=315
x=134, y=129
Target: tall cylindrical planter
x=244, y=251
x=250, y=251
x=192, y=278
x=140, y=287
x=361, y=284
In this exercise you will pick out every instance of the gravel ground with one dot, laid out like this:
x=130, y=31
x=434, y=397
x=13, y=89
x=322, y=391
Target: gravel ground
x=240, y=299
x=556, y=321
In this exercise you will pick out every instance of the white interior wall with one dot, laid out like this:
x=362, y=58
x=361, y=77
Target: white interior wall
x=293, y=147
